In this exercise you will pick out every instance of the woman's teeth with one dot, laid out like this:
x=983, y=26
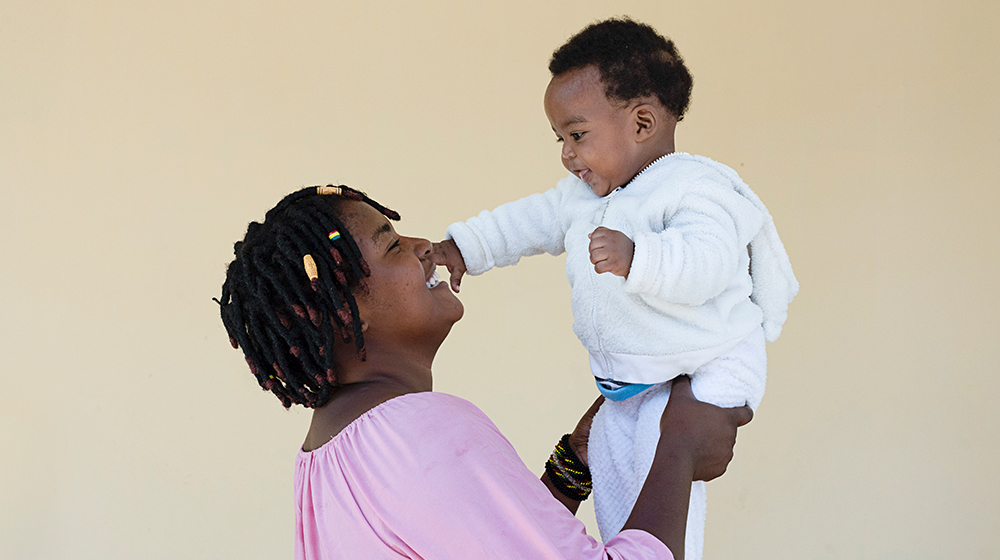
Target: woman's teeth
x=434, y=281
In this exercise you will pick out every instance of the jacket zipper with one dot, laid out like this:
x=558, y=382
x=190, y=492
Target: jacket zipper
x=593, y=292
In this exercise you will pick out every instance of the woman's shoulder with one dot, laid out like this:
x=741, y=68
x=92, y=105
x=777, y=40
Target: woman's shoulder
x=429, y=404
x=427, y=408
x=414, y=416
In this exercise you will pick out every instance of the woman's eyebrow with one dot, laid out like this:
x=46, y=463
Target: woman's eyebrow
x=386, y=228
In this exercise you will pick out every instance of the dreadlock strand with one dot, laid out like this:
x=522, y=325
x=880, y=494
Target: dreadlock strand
x=294, y=243
x=336, y=282
x=330, y=224
x=391, y=214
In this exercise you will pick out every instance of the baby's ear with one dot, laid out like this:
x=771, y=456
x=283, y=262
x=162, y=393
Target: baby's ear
x=646, y=120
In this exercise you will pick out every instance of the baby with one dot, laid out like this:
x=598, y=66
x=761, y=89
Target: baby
x=658, y=248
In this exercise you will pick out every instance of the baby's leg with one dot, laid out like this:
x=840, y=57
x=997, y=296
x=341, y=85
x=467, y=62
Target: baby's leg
x=624, y=436
x=737, y=377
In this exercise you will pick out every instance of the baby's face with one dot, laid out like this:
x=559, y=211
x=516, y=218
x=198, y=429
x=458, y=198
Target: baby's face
x=598, y=138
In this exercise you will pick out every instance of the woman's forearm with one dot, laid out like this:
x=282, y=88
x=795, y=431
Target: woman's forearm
x=662, y=506
x=696, y=443
x=571, y=504
x=577, y=442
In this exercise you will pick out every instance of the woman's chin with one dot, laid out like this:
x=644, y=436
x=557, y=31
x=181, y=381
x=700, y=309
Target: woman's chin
x=455, y=308
x=459, y=311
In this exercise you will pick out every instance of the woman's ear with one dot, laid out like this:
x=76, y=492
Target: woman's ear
x=364, y=326
x=646, y=120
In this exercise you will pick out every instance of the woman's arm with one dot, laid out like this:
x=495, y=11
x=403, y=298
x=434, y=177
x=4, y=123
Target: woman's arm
x=578, y=441
x=455, y=488
x=696, y=443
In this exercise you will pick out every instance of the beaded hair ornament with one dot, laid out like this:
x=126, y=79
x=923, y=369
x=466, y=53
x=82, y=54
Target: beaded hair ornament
x=308, y=263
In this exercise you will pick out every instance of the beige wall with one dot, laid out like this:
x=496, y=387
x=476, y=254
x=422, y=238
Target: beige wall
x=138, y=138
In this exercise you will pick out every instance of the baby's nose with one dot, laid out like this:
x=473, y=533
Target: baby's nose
x=567, y=153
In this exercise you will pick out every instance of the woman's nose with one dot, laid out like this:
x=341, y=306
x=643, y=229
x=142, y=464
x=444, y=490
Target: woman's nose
x=421, y=247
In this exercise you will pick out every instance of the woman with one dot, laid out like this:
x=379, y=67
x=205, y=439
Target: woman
x=336, y=311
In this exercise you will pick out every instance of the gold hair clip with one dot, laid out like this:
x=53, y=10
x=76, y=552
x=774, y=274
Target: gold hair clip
x=310, y=266
x=329, y=189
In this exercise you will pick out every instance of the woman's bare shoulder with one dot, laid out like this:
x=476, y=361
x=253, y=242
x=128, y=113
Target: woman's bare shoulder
x=344, y=409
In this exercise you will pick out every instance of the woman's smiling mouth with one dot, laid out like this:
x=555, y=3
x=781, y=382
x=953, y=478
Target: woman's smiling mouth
x=434, y=280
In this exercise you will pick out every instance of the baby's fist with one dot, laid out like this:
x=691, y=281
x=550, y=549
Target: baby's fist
x=611, y=251
x=448, y=254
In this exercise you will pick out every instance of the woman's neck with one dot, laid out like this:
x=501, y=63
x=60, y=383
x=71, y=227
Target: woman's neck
x=383, y=376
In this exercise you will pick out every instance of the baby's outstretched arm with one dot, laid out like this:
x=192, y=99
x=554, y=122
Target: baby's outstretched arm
x=611, y=251
x=448, y=254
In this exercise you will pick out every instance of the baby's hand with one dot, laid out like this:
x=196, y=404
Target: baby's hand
x=448, y=254
x=611, y=251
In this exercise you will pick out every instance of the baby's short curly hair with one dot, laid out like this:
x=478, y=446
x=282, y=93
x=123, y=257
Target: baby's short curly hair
x=634, y=61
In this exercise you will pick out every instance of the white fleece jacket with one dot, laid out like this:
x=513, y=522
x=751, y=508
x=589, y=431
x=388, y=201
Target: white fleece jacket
x=689, y=296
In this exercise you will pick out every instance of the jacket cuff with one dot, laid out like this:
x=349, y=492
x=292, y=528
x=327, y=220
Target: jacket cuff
x=475, y=251
x=645, y=262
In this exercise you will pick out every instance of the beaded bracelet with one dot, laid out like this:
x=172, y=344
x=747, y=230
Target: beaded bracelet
x=568, y=473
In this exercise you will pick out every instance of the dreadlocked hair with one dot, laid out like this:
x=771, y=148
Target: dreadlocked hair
x=288, y=293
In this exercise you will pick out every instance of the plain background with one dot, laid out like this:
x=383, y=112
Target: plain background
x=137, y=139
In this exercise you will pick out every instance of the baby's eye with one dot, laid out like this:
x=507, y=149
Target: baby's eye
x=576, y=135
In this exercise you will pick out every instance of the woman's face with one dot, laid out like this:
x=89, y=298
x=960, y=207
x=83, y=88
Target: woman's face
x=405, y=302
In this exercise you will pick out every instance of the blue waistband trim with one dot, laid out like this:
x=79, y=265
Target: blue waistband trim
x=616, y=391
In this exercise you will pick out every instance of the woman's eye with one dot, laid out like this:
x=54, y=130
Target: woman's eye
x=394, y=245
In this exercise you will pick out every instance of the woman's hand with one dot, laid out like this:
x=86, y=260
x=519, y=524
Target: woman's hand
x=704, y=431
x=696, y=443
x=448, y=254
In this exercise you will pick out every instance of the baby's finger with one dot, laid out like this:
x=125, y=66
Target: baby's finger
x=438, y=254
x=610, y=266
x=439, y=258
x=598, y=254
x=456, y=278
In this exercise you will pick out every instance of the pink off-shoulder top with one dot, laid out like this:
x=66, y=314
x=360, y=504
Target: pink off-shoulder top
x=428, y=476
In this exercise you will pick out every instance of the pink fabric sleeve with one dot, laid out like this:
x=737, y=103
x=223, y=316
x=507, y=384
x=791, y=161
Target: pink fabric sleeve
x=428, y=476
